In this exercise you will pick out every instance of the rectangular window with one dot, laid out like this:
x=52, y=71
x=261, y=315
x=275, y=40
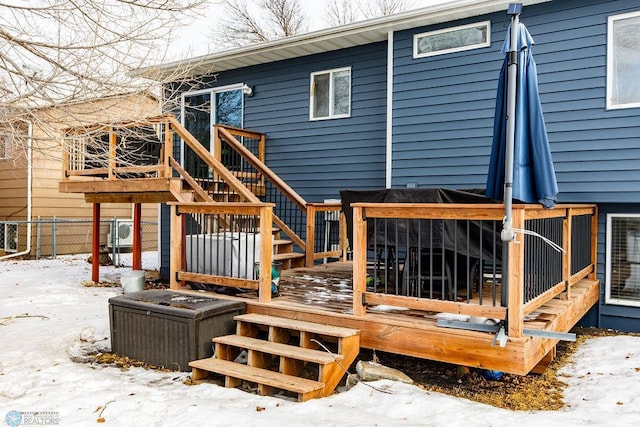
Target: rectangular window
x=330, y=96
x=623, y=61
x=6, y=144
x=623, y=260
x=8, y=237
x=450, y=40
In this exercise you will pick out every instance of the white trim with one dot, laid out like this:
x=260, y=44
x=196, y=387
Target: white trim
x=331, y=116
x=608, y=299
x=486, y=43
x=211, y=92
x=609, y=100
x=389, y=130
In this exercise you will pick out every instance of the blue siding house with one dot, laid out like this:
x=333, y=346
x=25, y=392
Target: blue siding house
x=408, y=100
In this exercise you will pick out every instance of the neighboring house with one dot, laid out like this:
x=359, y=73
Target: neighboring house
x=408, y=100
x=30, y=168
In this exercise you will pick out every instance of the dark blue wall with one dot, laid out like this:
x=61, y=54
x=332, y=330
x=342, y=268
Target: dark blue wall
x=319, y=158
x=613, y=316
x=443, y=105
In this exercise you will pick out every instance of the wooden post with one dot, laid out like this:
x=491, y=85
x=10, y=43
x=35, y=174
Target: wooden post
x=343, y=237
x=95, y=244
x=113, y=141
x=359, y=261
x=515, y=302
x=137, y=236
x=566, y=256
x=311, y=235
x=177, y=247
x=217, y=151
x=65, y=157
x=168, y=149
x=266, y=253
x=261, y=148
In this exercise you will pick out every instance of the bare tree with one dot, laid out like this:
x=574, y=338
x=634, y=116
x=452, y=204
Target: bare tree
x=373, y=9
x=272, y=19
x=56, y=53
x=340, y=12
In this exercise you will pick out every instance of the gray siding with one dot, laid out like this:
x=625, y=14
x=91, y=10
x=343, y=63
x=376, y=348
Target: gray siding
x=443, y=106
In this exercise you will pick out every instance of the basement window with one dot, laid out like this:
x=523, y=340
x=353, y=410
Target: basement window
x=449, y=40
x=330, y=94
x=623, y=260
x=623, y=61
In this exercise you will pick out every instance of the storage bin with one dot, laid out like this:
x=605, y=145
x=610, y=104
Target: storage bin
x=167, y=328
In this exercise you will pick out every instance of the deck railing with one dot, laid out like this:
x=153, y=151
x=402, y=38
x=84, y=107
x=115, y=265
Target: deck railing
x=133, y=149
x=301, y=221
x=222, y=244
x=449, y=258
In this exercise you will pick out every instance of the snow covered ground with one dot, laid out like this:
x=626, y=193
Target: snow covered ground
x=47, y=316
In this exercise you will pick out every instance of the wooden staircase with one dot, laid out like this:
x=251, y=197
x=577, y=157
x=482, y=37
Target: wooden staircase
x=282, y=355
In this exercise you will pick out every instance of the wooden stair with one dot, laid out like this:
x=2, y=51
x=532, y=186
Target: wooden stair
x=281, y=355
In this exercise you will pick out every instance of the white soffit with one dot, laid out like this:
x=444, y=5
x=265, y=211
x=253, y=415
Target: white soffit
x=345, y=36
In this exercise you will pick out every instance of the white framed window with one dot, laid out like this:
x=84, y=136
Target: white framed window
x=623, y=61
x=330, y=94
x=623, y=260
x=456, y=39
x=9, y=237
x=6, y=144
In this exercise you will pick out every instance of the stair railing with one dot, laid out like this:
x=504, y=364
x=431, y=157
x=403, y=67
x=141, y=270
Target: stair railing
x=290, y=208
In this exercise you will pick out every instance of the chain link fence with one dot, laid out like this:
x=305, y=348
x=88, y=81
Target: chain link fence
x=51, y=238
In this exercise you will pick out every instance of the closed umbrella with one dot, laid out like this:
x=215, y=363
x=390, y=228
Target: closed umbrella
x=521, y=166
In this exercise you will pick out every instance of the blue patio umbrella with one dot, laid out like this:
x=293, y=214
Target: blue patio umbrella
x=521, y=166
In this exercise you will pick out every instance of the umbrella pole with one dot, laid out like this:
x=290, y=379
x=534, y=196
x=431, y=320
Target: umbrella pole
x=507, y=234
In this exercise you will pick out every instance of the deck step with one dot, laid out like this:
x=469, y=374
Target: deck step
x=258, y=375
x=287, y=256
x=280, y=242
x=297, y=325
x=277, y=349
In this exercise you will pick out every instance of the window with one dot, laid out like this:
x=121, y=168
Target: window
x=450, y=40
x=623, y=61
x=330, y=94
x=8, y=237
x=623, y=259
x=6, y=144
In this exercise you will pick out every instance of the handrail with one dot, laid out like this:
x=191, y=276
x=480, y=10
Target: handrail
x=262, y=168
x=189, y=179
x=211, y=161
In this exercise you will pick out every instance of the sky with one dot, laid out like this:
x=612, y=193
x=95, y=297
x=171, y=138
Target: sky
x=194, y=41
x=50, y=323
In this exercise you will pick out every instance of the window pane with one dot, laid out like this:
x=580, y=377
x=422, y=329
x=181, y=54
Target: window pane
x=626, y=61
x=321, y=95
x=341, y=92
x=454, y=39
x=624, y=278
x=6, y=144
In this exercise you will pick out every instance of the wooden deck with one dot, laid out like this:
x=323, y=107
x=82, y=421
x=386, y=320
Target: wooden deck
x=323, y=294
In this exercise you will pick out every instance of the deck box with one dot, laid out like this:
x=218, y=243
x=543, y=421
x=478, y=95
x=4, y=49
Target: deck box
x=169, y=329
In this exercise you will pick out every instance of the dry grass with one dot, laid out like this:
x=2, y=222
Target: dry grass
x=525, y=393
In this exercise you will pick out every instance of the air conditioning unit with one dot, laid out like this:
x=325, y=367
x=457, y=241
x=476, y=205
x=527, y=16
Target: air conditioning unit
x=120, y=234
